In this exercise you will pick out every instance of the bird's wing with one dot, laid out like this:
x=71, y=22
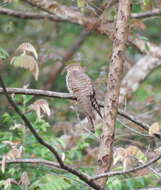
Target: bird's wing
x=80, y=83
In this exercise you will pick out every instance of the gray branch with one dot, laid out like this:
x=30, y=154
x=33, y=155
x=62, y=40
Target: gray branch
x=109, y=174
x=33, y=161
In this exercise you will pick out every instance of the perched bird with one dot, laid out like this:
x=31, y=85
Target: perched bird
x=81, y=86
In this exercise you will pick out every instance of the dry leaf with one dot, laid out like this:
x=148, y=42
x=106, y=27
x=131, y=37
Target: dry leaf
x=139, y=24
x=8, y=182
x=63, y=156
x=17, y=126
x=81, y=4
x=40, y=106
x=119, y=155
x=154, y=128
x=3, y=166
x=27, y=62
x=24, y=181
x=134, y=151
x=15, y=152
x=129, y=162
x=27, y=49
x=11, y=143
x=158, y=150
x=52, y=6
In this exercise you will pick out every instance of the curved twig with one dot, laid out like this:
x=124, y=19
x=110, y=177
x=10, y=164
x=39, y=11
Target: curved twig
x=109, y=174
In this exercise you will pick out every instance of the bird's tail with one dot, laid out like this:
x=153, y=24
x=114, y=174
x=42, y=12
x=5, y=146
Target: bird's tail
x=95, y=105
x=86, y=105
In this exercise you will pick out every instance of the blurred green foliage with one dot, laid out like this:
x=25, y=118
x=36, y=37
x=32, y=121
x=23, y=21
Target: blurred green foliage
x=56, y=38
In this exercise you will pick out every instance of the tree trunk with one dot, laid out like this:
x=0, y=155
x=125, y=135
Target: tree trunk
x=105, y=155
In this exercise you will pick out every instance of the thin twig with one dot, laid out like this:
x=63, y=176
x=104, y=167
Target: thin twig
x=109, y=174
x=151, y=13
x=137, y=121
x=33, y=161
x=155, y=172
x=132, y=129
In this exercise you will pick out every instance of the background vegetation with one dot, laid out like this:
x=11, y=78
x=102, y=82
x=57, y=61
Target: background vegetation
x=76, y=146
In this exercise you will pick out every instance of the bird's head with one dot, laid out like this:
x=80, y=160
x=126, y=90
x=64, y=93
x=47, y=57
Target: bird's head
x=73, y=67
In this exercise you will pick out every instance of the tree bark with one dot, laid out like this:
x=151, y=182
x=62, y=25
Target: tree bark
x=136, y=75
x=105, y=155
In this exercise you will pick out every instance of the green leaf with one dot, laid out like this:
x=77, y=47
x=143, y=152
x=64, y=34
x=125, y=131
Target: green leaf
x=146, y=46
x=144, y=38
x=146, y=2
x=3, y=54
x=52, y=182
x=26, y=62
x=6, y=118
x=81, y=4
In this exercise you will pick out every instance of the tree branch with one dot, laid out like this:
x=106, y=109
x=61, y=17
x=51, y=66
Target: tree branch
x=44, y=15
x=62, y=12
x=52, y=94
x=137, y=121
x=36, y=92
x=137, y=74
x=33, y=161
x=109, y=174
x=28, y=15
x=151, y=188
x=151, y=13
x=82, y=176
x=146, y=47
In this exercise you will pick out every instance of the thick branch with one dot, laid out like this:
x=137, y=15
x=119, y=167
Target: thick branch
x=82, y=176
x=151, y=13
x=105, y=155
x=28, y=15
x=55, y=18
x=109, y=174
x=147, y=47
x=61, y=12
x=136, y=75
